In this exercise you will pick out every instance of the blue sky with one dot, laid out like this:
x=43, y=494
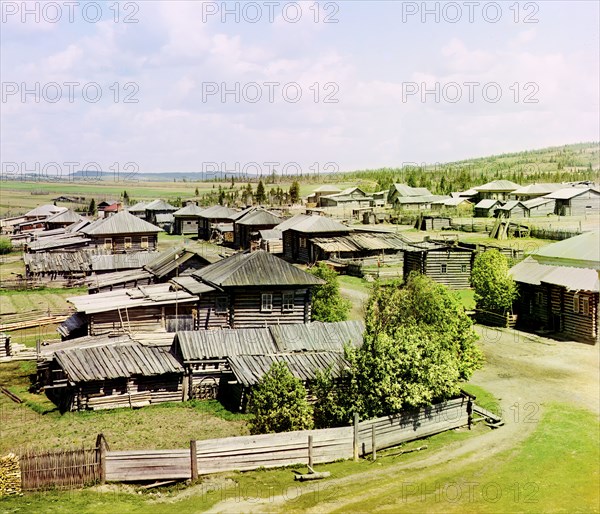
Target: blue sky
x=516, y=76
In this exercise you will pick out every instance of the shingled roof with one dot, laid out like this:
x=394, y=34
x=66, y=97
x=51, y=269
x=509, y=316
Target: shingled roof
x=121, y=223
x=258, y=268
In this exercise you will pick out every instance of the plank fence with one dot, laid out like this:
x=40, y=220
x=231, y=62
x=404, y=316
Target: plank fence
x=247, y=453
x=493, y=319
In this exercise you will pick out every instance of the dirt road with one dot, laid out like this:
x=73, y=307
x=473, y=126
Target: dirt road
x=525, y=372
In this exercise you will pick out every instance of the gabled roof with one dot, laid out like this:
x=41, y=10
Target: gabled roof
x=160, y=205
x=487, y=204
x=259, y=217
x=509, y=206
x=312, y=224
x=257, y=268
x=536, y=202
x=405, y=190
x=421, y=199
x=217, y=212
x=582, y=251
x=121, y=261
x=571, y=192
x=111, y=361
x=529, y=271
x=113, y=207
x=167, y=261
x=189, y=210
x=498, y=185
x=121, y=223
x=537, y=189
x=327, y=189
x=138, y=207
x=240, y=214
x=44, y=211
x=67, y=216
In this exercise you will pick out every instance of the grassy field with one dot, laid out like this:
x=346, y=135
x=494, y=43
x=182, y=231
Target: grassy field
x=38, y=423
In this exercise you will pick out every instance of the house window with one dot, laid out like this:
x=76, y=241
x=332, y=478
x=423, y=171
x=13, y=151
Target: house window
x=108, y=243
x=302, y=242
x=144, y=243
x=585, y=306
x=539, y=298
x=220, y=305
x=287, y=301
x=576, y=303
x=128, y=242
x=444, y=268
x=463, y=268
x=266, y=302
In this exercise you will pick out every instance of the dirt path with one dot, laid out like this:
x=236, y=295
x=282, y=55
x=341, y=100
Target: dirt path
x=524, y=372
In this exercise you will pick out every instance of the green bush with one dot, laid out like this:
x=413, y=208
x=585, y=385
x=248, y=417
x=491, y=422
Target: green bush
x=5, y=246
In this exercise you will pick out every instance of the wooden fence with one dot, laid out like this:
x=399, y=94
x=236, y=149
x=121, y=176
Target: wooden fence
x=64, y=469
x=275, y=450
x=493, y=319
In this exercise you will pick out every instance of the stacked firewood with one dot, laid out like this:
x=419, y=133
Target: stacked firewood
x=10, y=475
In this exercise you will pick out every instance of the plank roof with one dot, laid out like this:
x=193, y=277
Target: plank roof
x=121, y=223
x=217, y=212
x=405, y=190
x=317, y=336
x=257, y=268
x=571, y=192
x=165, y=262
x=582, y=251
x=43, y=211
x=327, y=189
x=313, y=224
x=536, y=202
x=138, y=207
x=510, y=205
x=530, y=271
x=357, y=241
x=249, y=369
x=111, y=361
x=537, y=189
x=67, y=216
x=487, y=204
x=52, y=243
x=160, y=205
x=498, y=185
x=191, y=210
x=259, y=217
x=122, y=261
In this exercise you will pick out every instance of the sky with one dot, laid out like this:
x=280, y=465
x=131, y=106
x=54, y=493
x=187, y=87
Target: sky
x=155, y=86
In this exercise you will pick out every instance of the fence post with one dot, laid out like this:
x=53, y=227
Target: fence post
x=193, y=459
x=373, y=443
x=355, y=437
x=101, y=445
x=310, y=452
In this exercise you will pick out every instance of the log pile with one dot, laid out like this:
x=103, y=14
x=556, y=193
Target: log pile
x=10, y=475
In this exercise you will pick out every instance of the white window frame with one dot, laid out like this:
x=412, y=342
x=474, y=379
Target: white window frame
x=444, y=268
x=108, y=243
x=145, y=243
x=585, y=305
x=266, y=302
x=128, y=242
x=287, y=301
x=576, y=303
x=463, y=268
x=302, y=242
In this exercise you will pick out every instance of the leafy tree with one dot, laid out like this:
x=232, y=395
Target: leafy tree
x=327, y=302
x=5, y=245
x=278, y=403
x=418, y=347
x=260, y=193
x=294, y=192
x=248, y=194
x=92, y=208
x=495, y=289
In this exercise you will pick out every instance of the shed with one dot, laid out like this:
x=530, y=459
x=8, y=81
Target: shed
x=511, y=209
x=209, y=218
x=159, y=207
x=62, y=219
x=539, y=207
x=576, y=201
x=246, y=228
x=486, y=208
x=186, y=219
x=352, y=196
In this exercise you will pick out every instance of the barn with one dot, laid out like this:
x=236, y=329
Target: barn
x=511, y=209
x=576, y=201
x=297, y=232
x=486, y=208
x=209, y=218
x=123, y=233
x=247, y=227
x=158, y=211
x=539, y=207
x=186, y=220
x=107, y=373
x=350, y=197
x=446, y=264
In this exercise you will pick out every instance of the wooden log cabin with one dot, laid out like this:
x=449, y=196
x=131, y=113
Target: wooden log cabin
x=576, y=201
x=249, y=290
x=123, y=233
x=186, y=220
x=246, y=228
x=446, y=264
x=159, y=207
x=212, y=216
x=559, y=288
x=62, y=219
x=297, y=232
x=105, y=373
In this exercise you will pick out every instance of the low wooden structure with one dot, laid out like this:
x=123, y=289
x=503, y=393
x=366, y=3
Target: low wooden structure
x=350, y=197
x=123, y=233
x=445, y=263
x=576, y=201
x=558, y=299
x=158, y=207
x=5, y=345
x=511, y=209
x=186, y=220
x=486, y=208
x=109, y=375
x=209, y=218
x=246, y=228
